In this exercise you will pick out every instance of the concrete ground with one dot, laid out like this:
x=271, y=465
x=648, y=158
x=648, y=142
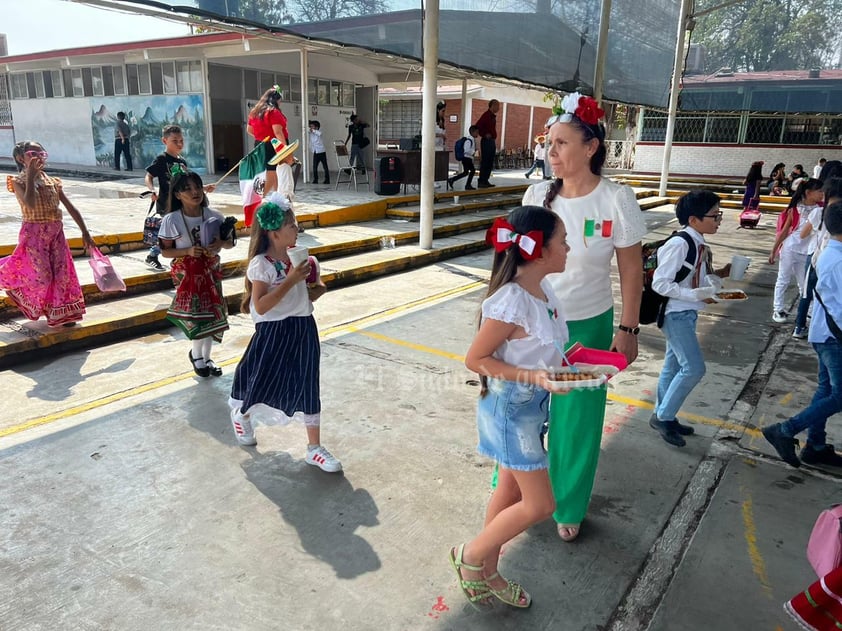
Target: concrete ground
x=127, y=503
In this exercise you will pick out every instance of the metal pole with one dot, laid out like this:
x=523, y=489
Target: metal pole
x=601, y=50
x=306, y=149
x=428, y=121
x=677, y=70
x=464, y=123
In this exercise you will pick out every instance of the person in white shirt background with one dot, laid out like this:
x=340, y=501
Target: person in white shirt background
x=817, y=170
x=319, y=154
x=539, y=153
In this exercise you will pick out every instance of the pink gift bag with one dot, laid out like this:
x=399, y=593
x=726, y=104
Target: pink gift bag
x=105, y=276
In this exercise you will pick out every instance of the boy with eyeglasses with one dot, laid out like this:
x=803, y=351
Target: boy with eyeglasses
x=684, y=366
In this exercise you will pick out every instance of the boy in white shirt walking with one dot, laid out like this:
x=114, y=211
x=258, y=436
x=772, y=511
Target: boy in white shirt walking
x=684, y=365
x=319, y=153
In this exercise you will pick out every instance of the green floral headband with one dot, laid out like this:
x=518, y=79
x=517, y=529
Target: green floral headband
x=270, y=216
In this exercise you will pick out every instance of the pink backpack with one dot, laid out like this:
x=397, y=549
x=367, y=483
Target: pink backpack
x=824, y=550
x=796, y=217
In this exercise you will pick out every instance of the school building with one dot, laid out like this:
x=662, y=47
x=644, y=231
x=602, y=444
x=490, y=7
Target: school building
x=728, y=120
x=68, y=99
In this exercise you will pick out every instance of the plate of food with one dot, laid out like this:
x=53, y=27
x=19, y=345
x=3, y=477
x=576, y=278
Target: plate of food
x=581, y=376
x=730, y=294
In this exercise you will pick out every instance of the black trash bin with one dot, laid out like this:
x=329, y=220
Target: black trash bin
x=388, y=176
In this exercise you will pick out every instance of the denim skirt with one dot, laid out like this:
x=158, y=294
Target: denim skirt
x=510, y=418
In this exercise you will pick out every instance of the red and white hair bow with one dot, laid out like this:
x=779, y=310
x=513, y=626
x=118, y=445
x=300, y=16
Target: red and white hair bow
x=502, y=235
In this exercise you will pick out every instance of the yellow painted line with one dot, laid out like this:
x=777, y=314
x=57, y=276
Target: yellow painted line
x=412, y=345
x=786, y=398
x=758, y=565
x=352, y=327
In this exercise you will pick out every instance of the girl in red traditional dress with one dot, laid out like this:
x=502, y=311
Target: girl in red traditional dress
x=39, y=275
x=198, y=308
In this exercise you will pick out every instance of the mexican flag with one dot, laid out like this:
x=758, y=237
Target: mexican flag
x=252, y=180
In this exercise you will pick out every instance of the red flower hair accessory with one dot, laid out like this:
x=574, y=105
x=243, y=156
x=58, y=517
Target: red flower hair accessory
x=502, y=235
x=589, y=110
x=585, y=108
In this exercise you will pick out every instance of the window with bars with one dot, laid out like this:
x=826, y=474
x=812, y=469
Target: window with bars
x=400, y=119
x=5, y=104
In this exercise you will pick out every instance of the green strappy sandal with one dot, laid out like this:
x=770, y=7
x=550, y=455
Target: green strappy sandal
x=511, y=594
x=481, y=598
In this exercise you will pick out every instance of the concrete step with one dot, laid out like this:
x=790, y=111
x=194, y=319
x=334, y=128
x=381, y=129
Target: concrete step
x=133, y=315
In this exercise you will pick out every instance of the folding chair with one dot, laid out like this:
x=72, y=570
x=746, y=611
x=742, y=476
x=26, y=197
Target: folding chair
x=343, y=164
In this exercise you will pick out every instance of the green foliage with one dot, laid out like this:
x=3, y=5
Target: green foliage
x=758, y=35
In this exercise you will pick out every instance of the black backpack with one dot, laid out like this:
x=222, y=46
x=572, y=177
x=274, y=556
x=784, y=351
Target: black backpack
x=652, y=304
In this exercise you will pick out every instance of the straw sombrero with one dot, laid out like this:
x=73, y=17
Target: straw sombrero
x=282, y=150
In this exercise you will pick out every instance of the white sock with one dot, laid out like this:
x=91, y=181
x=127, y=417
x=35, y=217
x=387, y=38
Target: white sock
x=312, y=447
x=198, y=357
x=207, y=343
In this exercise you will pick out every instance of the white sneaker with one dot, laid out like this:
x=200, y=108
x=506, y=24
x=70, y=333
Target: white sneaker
x=323, y=459
x=243, y=429
x=779, y=316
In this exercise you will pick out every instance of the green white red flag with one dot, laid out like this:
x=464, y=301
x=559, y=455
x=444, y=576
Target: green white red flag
x=252, y=180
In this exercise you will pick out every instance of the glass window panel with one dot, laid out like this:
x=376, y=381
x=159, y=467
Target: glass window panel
x=335, y=93
x=97, y=82
x=168, y=76
x=144, y=80
x=118, y=73
x=78, y=84
x=312, y=91
x=131, y=79
x=294, y=89
x=30, y=84
x=267, y=80
x=87, y=82
x=107, y=81
x=67, y=79
x=348, y=93
x=196, y=80
x=156, y=78
x=324, y=92
x=38, y=82
x=47, y=80
x=58, y=84
x=182, y=75
x=20, y=90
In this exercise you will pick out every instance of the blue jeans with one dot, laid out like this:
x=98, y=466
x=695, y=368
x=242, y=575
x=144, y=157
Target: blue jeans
x=356, y=159
x=804, y=303
x=684, y=365
x=827, y=400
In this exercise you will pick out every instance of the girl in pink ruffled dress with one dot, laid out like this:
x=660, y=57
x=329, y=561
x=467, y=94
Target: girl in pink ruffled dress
x=39, y=275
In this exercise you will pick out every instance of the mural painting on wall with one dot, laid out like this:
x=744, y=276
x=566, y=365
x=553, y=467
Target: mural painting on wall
x=147, y=116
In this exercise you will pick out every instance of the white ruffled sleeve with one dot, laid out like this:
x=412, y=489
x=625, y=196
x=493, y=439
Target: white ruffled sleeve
x=261, y=270
x=629, y=224
x=508, y=304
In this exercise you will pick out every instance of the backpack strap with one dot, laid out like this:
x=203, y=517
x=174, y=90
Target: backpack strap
x=688, y=266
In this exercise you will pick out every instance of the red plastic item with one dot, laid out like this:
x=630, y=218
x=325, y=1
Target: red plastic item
x=580, y=354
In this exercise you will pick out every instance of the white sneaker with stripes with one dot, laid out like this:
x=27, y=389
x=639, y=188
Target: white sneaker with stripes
x=323, y=459
x=243, y=429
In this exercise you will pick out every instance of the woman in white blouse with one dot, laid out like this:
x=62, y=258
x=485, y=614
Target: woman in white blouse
x=603, y=221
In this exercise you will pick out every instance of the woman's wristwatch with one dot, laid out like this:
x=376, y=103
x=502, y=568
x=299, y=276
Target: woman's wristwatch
x=634, y=330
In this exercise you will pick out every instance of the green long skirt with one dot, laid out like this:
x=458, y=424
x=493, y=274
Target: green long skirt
x=575, y=433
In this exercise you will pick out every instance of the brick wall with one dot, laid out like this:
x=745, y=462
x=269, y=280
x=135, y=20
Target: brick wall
x=728, y=160
x=517, y=123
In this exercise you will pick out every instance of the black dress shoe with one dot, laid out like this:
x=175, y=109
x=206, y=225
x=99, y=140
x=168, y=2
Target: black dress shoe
x=821, y=455
x=784, y=445
x=668, y=431
x=202, y=372
x=681, y=428
x=468, y=187
x=213, y=369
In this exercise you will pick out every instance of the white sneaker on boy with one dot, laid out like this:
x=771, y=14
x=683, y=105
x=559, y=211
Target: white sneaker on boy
x=323, y=459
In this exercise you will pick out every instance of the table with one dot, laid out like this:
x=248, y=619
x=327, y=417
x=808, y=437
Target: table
x=411, y=165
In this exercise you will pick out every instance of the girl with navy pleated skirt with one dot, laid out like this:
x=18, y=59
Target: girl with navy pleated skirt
x=277, y=380
x=521, y=329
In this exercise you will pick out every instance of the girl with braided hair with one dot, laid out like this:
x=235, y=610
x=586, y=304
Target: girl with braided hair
x=603, y=221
